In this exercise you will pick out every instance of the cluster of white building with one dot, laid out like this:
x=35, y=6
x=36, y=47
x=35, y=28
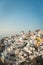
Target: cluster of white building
x=19, y=47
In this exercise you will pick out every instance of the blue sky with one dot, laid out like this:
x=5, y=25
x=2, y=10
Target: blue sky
x=17, y=15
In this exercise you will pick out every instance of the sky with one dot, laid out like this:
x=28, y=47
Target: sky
x=18, y=15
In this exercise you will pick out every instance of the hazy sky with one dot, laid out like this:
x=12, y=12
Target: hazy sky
x=17, y=15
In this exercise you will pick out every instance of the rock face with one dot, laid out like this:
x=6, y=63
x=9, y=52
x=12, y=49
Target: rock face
x=22, y=50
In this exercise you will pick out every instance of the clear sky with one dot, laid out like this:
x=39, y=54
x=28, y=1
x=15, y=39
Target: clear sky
x=17, y=15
